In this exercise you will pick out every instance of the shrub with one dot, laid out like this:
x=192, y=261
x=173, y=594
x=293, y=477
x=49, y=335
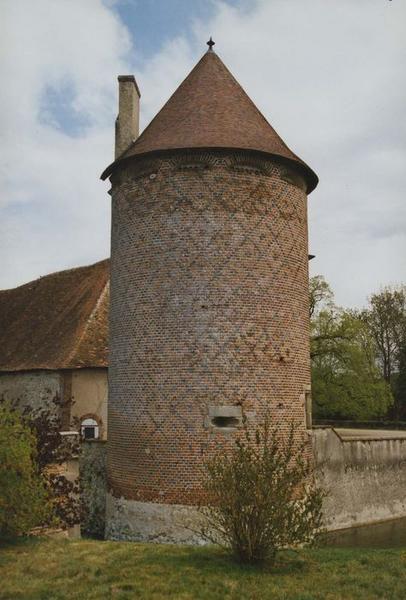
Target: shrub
x=53, y=451
x=50, y=451
x=23, y=495
x=260, y=496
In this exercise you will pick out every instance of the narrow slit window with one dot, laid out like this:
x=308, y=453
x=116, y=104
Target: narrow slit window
x=225, y=418
x=225, y=421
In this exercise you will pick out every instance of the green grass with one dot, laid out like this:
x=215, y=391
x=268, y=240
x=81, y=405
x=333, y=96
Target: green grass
x=87, y=569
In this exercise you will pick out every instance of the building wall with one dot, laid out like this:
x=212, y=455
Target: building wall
x=89, y=391
x=209, y=314
x=35, y=389
x=364, y=474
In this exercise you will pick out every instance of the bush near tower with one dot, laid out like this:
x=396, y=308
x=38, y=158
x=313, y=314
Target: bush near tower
x=260, y=496
x=23, y=495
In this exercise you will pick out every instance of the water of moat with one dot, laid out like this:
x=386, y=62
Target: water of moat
x=388, y=534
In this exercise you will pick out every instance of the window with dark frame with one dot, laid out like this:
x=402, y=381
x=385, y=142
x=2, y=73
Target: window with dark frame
x=89, y=429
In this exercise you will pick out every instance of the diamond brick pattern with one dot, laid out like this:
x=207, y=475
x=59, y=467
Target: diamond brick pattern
x=209, y=307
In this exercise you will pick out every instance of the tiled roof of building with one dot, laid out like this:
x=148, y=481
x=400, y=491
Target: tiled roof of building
x=56, y=322
x=211, y=110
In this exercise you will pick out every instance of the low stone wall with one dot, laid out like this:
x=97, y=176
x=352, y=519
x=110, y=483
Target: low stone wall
x=92, y=468
x=364, y=474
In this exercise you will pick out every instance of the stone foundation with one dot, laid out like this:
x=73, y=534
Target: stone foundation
x=131, y=520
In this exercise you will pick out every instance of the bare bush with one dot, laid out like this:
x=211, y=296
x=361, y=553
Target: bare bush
x=260, y=497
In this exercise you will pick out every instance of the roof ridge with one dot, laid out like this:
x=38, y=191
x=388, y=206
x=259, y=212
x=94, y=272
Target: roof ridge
x=89, y=319
x=52, y=274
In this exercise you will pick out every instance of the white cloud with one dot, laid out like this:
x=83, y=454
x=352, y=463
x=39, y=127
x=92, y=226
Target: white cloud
x=328, y=75
x=55, y=212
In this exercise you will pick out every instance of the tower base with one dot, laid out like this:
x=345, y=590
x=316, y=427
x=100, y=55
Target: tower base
x=131, y=520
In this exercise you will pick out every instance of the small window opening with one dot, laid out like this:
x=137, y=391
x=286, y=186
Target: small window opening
x=225, y=422
x=89, y=433
x=89, y=429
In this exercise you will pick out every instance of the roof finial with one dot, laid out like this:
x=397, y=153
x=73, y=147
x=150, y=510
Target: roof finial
x=210, y=44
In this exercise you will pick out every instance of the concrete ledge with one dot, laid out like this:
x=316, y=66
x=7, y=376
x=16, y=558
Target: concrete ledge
x=353, y=435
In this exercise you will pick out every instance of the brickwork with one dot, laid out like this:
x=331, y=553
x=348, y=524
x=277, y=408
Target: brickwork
x=209, y=308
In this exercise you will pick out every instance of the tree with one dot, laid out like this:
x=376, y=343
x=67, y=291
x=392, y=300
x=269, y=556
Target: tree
x=386, y=319
x=346, y=382
x=320, y=294
x=23, y=494
x=260, y=496
x=400, y=384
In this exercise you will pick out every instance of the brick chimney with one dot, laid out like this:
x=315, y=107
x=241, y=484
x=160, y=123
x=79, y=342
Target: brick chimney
x=127, y=122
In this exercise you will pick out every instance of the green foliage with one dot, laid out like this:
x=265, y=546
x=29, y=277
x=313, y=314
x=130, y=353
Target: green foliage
x=50, y=451
x=346, y=380
x=23, y=496
x=259, y=498
x=53, y=450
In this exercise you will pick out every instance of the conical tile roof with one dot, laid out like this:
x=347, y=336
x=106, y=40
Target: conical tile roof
x=211, y=110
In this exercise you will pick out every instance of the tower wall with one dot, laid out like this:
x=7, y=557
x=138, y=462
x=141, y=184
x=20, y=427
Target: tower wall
x=209, y=323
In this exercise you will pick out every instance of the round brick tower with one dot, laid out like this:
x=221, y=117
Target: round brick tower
x=209, y=294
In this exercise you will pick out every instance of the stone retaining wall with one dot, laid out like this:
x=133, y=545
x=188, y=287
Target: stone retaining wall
x=364, y=473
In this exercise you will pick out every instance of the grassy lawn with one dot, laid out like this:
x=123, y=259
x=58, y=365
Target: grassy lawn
x=87, y=569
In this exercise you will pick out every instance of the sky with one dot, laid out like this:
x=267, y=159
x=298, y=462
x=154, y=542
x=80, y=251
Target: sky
x=329, y=75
